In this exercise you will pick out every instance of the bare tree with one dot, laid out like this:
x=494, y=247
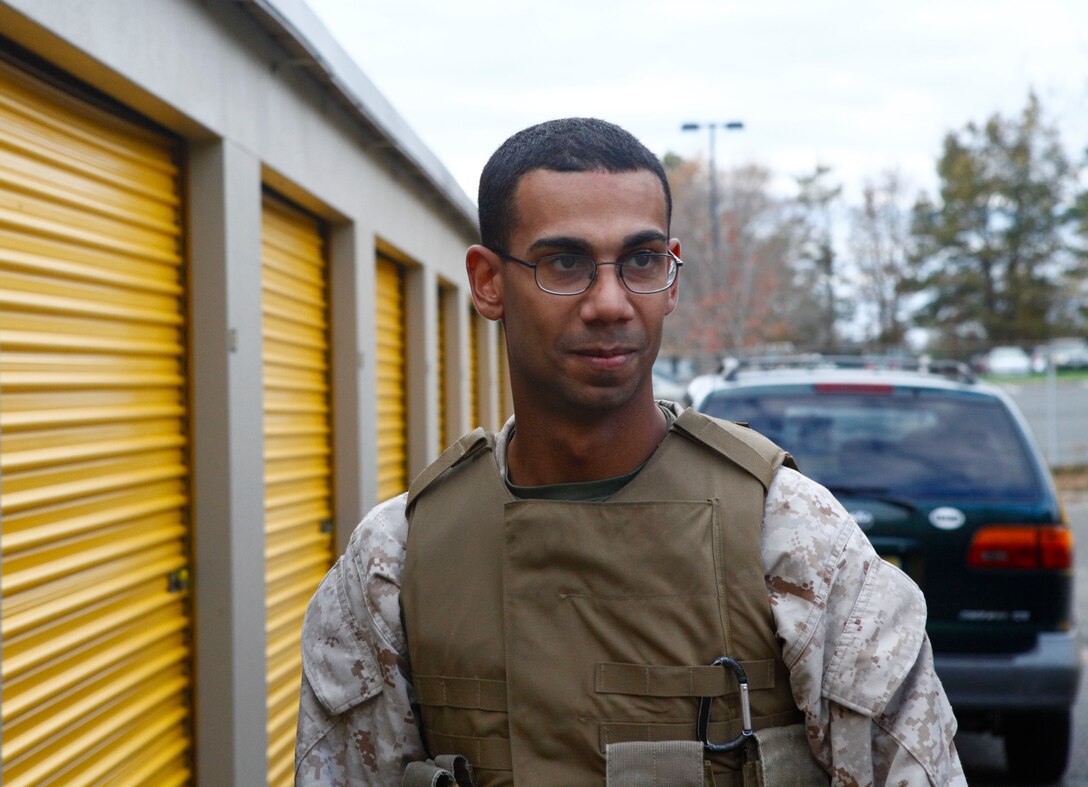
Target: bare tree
x=878, y=243
x=759, y=245
x=750, y=295
x=816, y=201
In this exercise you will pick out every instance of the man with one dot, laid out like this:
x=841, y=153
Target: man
x=564, y=585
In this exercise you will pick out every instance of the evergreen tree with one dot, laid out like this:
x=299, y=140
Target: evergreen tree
x=992, y=252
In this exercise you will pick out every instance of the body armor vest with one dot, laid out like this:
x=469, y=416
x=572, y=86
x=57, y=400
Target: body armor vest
x=539, y=632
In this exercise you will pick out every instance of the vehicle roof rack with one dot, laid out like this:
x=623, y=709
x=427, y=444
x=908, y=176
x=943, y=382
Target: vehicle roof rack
x=951, y=369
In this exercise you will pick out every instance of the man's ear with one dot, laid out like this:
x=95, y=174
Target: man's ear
x=485, y=280
x=674, y=290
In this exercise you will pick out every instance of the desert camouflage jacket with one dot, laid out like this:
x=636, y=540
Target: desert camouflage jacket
x=852, y=629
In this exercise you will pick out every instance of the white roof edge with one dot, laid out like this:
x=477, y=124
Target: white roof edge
x=297, y=20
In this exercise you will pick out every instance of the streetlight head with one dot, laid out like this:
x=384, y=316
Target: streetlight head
x=734, y=125
x=690, y=127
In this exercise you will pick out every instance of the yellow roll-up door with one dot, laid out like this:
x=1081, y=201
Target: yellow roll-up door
x=474, y=368
x=93, y=447
x=506, y=408
x=392, y=378
x=443, y=388
x=297, y=455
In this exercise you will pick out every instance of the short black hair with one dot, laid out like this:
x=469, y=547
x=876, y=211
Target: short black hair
x=565, y=145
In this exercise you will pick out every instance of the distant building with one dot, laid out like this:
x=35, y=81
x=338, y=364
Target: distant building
x=233, y=316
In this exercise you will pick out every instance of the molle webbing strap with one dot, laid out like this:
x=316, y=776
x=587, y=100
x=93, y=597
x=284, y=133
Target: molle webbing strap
x=748, y=449
x=660, y=681
x=719, y=730
x=484, y=753
x=451, y=456
x=462, y=692
x=494, y=753
x=644, y=680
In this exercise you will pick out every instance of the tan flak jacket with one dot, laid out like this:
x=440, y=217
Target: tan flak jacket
x=849, y=626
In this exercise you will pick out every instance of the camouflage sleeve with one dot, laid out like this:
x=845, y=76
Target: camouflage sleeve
x=355, y=722
x=853, y=631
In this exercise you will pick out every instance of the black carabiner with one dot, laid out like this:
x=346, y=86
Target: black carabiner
x=702, y=725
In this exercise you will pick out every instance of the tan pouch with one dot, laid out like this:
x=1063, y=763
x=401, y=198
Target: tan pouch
x=656, y=764
x=446, y=770
x=780, y=757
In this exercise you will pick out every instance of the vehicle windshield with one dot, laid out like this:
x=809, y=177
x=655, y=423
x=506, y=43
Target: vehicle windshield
x=904, y=442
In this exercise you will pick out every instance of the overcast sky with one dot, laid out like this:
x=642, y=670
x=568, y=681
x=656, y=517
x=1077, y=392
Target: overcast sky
x=858, y=86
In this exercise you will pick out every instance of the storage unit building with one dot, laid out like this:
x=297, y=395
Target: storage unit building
x=233, y=317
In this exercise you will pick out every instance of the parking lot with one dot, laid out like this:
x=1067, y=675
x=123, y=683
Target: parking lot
x=982, y=755
x=1058, y=414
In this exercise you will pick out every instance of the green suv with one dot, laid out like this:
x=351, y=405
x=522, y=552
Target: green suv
x=941, y=473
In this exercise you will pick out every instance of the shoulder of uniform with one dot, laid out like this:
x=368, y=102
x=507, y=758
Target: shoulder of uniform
x=736, y=442
x=468, y=445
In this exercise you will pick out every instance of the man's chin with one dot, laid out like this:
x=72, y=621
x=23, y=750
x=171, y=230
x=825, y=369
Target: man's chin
x=600, y=399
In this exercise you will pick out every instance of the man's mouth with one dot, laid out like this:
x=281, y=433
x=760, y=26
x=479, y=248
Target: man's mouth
x=606, y=358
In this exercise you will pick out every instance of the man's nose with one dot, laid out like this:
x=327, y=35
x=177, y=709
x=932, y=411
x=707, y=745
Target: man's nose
x=608, y=298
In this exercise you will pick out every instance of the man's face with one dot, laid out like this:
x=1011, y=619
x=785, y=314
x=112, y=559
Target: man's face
x=588, y=353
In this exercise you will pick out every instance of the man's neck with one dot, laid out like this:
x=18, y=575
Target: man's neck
x=551, y=451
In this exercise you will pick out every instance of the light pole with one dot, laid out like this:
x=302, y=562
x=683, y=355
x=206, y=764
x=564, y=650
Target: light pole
x=732, y=125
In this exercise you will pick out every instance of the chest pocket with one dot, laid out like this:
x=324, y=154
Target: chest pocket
x=589, y=585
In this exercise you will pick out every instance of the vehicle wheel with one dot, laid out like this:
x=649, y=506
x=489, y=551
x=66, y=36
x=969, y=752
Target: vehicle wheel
x=1037, y=745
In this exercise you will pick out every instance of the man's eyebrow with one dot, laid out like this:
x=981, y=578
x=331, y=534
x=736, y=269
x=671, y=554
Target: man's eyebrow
x=581, y=246
x=646, y=236
x=567, y=243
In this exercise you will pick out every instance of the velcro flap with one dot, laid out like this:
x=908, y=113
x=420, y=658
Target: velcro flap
x=880, y=644
x=649, y=680
x=474, y=693
x=336, y=656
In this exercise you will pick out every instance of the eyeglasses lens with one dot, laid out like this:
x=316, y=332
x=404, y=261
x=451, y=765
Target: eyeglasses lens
x=570, y=274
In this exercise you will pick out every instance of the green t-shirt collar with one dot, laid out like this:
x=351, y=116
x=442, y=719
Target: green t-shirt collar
x=582, y=491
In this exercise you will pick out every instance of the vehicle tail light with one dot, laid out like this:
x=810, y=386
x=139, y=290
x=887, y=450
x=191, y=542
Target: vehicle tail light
x=1022, y=547
x=1056, y=547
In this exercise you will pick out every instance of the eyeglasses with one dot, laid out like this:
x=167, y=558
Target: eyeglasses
x=643, y=272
